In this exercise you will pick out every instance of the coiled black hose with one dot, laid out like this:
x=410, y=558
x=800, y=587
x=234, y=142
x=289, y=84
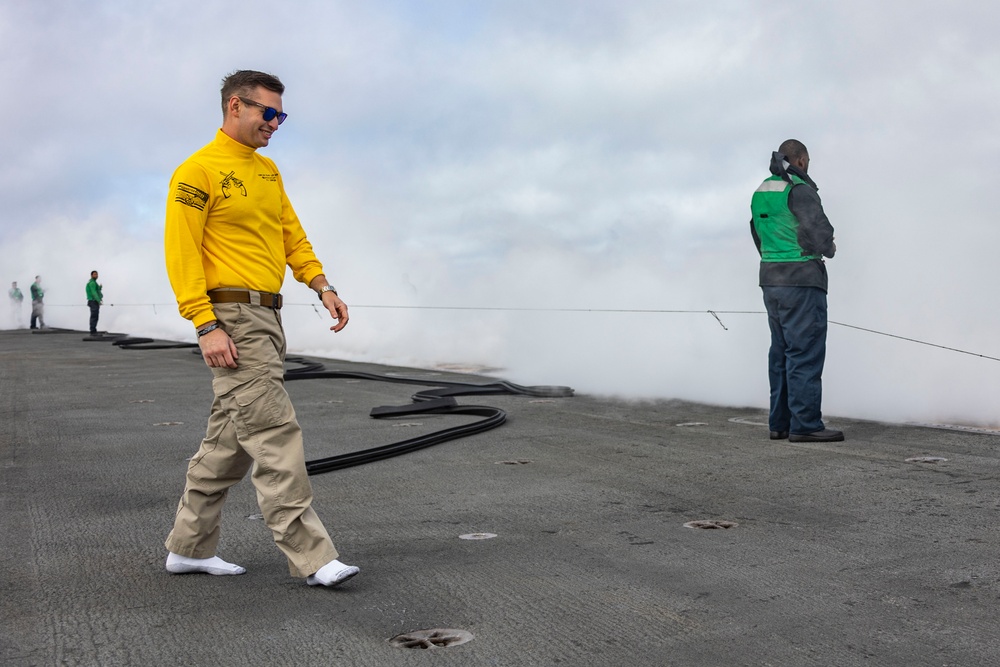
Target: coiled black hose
x=439, y=399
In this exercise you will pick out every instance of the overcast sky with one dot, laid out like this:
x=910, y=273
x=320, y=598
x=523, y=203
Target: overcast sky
x=544, y=155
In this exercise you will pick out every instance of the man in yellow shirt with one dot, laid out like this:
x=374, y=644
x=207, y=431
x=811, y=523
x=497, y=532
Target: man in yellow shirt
x=230, y=232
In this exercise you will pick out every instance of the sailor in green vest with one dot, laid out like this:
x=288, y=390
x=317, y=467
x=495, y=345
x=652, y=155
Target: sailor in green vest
x=793, y=235
x=95, y=297
x=37, y=304
x=16, y=299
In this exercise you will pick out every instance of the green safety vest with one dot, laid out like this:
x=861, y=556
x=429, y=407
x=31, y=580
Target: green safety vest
x=777, y=228
x=94, y=291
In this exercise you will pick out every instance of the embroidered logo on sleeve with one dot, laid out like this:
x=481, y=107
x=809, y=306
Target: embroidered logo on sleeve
x=230, y=181
x=191, y=196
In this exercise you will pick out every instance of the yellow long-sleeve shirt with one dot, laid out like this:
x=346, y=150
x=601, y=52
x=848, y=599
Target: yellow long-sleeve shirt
x=230, y=224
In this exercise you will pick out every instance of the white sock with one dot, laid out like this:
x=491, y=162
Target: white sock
x=183, y=565
x=331, y=574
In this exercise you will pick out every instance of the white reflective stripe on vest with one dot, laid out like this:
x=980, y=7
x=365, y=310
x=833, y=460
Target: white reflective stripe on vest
x=773, y=186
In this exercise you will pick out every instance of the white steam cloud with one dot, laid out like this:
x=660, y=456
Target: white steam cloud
x=535, y=166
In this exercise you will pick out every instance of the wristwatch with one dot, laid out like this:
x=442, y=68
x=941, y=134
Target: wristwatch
x=326, y=288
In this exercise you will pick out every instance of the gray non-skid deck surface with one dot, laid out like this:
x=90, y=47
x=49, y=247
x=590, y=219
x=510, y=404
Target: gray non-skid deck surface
x=844, y=554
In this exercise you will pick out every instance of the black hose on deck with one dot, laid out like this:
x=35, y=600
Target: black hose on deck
x=438, y=400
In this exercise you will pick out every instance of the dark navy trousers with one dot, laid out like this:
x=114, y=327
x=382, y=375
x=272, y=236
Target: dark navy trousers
x=797, y=317
x=95, y=312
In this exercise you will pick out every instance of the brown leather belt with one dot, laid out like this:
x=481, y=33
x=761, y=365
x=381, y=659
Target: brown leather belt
x=265, y=299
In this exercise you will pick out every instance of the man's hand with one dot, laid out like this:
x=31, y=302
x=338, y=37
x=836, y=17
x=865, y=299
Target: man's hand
x=218, y=349
x=337, y=308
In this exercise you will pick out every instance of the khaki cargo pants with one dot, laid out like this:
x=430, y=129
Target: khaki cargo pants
x=252, y=425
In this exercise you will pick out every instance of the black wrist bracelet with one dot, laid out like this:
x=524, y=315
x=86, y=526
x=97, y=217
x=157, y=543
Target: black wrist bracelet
x=211, y=327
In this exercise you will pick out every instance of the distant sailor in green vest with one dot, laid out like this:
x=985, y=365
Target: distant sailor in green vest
x=95, y=297
x=16, y=299
x=37, y=304
x=793, y=235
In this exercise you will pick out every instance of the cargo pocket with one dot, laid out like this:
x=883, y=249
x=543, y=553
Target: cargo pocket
x=254, y=404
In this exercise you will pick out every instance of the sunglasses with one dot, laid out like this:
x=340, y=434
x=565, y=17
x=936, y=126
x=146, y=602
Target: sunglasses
x=270, y=113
